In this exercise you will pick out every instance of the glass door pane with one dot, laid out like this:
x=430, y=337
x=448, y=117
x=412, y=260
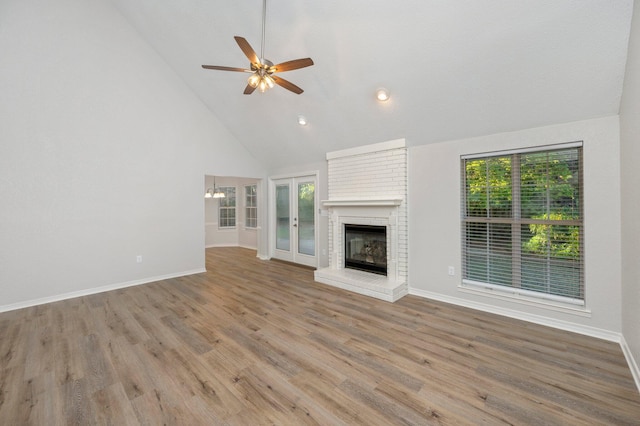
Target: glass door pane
x=306, y=218
x=283, y=237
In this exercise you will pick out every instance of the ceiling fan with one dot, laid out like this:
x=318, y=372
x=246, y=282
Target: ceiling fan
x=262, y=70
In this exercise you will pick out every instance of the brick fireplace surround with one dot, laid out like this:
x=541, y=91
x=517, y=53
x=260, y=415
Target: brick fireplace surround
x=368, y=186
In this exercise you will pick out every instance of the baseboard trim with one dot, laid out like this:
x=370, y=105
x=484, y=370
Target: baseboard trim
x=95, y=290
x=633, y=365
x=230, y=245
x=511, y=313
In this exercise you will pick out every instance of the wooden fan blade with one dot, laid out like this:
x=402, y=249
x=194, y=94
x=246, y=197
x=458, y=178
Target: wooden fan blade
x=292, y=65
x=247, y=50
x=287, y=84
x=216, y=67
x=249, y=89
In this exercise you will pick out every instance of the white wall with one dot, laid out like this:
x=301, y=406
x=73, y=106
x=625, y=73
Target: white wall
x=102, y=153
x=630, y=177
x=434, y=223
x=239, y=235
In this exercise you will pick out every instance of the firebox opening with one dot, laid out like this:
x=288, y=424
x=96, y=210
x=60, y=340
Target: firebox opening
x=365, y=248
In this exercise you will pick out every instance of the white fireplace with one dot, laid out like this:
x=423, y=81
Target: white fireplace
x=368, y=186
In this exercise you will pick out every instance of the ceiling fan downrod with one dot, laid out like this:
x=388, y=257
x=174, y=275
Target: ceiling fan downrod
x=264, y=18
x=261, y=79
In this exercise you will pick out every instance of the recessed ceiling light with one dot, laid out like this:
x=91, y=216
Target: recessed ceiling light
x=302, y=120
x=382, y=94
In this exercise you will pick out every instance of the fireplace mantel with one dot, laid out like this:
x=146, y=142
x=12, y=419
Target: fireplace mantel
x=376, y=202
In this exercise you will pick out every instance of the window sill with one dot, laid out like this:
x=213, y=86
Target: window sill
x=512, y=295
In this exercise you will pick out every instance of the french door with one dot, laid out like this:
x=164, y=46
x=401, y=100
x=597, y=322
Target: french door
x=295, y=220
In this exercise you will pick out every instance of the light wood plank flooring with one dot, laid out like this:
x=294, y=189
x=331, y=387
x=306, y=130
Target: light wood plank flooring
x=253, y=342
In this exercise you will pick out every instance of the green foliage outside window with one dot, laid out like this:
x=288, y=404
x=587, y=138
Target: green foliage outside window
x=489, y=187
x=532, y=200
x=549, y=190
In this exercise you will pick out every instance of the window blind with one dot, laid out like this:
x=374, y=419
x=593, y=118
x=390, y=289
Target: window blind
x=522, y=222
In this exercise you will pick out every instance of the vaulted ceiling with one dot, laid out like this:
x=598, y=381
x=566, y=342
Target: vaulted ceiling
x=455, y=68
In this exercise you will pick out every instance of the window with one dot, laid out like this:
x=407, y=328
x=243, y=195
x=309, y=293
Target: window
x=250, y=206
x=522, y=222
x=227, y=208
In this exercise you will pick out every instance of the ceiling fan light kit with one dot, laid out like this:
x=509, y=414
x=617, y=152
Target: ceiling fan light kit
x=262, y=70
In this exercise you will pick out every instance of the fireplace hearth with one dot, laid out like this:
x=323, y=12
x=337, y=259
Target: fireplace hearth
x=365, y=248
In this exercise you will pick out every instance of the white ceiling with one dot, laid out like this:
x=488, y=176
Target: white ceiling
x=455, y=68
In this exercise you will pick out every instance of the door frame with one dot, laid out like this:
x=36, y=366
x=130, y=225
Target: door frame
x=272, y=211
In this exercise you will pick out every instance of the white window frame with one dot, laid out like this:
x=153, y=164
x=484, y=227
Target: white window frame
x=228, y=204
x=514, y=292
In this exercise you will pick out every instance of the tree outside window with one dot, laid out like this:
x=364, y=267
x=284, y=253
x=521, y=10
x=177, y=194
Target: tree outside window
x=522, y=221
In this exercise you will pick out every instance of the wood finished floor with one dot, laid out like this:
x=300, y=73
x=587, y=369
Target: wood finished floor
x=253, y=342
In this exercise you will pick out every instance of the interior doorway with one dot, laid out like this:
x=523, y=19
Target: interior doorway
x=232, y=220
